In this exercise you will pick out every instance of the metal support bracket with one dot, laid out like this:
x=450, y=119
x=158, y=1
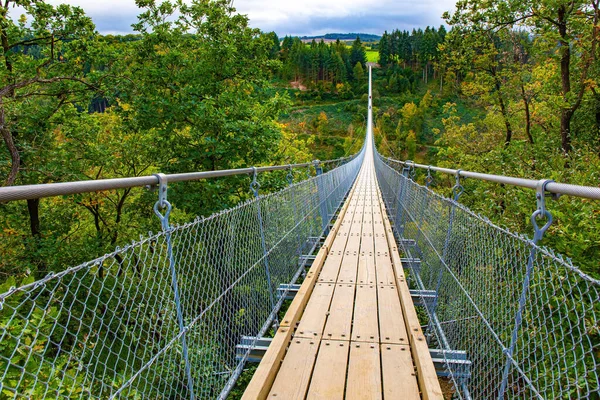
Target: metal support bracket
x=423, y=298
x=412, y=263
x=447, y=362
x=407, y=242
x=306, y=260
x=288, y=291
x=257, y=347
x=451, y=363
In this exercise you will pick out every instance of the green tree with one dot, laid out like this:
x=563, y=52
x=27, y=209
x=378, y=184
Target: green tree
x=570, y=23
x=384, y=50
x=276, y=47
x=41, y=59
x=358, y=72
x=490, y=67
x=358, y=53
x=203, y=94
x=47, y=65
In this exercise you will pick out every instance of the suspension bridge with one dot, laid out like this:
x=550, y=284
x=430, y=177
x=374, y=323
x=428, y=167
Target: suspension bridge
x=354, y=283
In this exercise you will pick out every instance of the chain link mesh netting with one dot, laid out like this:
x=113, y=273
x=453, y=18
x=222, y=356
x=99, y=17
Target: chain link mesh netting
x=506, y=328
x=161, y=318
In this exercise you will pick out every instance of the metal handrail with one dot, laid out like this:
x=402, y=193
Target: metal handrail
x=588, y=192
x=25, y=192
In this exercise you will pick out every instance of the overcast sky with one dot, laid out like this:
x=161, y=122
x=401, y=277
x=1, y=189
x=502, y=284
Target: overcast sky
x=294, y=17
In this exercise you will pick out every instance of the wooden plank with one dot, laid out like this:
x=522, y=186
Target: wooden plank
x=295, y=310
x=331, y=269
x=263, y=378
x=365, y=327
x=427, y=377
x=398, y=372
x=313, y=319
x=428, y=382
x=364, y=372
x=339, y=321
x=393, y=247
x=366, y=263
x=366, y=267
x=329, y=374
x=337, y=226
x=349, y=266
x=392, y=328
x=383, y=264
x=295, y=372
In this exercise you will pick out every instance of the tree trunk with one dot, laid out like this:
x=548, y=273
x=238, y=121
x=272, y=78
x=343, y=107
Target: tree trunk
x=565, y=129
x=33, y=208
x=566, y=112
x=597, y=96
x=15, y=157
x=509, y=131
x=598, y=125
x=527, y=114
x=503, y=110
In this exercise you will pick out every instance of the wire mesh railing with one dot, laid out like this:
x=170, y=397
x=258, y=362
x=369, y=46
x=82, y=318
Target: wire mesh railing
x=511, y=319
x=160, y=318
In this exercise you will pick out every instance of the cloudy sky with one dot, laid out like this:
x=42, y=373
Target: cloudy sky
x=295, y=17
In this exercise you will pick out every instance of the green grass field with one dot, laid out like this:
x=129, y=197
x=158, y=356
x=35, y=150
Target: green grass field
x=372, y=55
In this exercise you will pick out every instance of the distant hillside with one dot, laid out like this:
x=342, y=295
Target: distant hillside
x=364, y=37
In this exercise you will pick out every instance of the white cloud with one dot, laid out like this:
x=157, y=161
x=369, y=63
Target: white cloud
x=304, y=17
x=282, y=16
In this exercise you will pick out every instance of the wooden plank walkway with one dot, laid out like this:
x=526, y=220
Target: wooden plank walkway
x=352, y=331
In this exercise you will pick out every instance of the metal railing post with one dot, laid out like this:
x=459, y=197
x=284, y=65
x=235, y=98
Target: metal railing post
x=290, y=179
x=162, y=203
x=255, y=186
x=399, y=219
x=322, y=196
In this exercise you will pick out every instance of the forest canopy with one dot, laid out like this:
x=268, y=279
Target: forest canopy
x=187, y=92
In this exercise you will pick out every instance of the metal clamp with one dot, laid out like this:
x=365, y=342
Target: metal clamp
x=458, y=189
x=162, y=202
x=254, y=185
x=541, y=211
x=290, y=175
x=406, y=168
x=429, y=178
x=412, y=172
x=318, y=167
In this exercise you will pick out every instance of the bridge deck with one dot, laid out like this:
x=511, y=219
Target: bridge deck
x=352, y=330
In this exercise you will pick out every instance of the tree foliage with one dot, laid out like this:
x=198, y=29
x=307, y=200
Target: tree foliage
x=188, y=92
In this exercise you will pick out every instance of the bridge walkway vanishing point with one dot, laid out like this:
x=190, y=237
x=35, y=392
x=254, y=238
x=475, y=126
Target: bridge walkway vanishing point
x=352, y=330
